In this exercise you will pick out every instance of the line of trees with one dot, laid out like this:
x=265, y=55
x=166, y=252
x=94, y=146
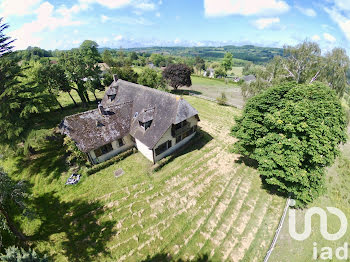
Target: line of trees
x=301, y=64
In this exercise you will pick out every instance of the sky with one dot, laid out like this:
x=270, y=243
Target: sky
x=65, y=24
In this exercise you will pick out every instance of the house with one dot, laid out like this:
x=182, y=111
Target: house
x=209, y=72
x=248, y=79
x=131, y=115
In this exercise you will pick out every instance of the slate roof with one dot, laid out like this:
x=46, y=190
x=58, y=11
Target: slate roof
x=128, y=103
x=164, y=109
x=91, y=130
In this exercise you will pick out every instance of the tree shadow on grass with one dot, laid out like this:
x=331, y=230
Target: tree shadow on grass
x=273, y=190
x=196, y=143
x=185, y=92
x=247, y=161
x=162, y=257
x=49, y=160
x=76, y=223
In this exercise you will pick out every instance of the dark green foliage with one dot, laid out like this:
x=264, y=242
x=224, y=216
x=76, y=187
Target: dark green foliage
x=177, y=75
x=151, y=78
x=15, y=254
x=126, y=73
x=13, y=196
x=81, y=65
x=293, y=132
x=5, y=41
x=75, y=156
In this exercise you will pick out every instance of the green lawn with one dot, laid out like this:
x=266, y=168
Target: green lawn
x=214, y=88
x=203, y=202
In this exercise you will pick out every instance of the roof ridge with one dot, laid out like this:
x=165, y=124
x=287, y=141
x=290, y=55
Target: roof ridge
x=91, y=110
x=150, y=89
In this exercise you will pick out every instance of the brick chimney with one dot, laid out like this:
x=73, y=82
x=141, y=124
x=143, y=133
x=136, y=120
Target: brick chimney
x=115, y=77
x=101, y=109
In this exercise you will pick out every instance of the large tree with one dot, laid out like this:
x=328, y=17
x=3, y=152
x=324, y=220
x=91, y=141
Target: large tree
x=227, y=61
x=151, y=78
x=293, y=132
x=177, y=75
x=81, y=65
x=12, y=196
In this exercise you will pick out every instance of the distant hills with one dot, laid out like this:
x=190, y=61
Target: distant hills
x=251, y=53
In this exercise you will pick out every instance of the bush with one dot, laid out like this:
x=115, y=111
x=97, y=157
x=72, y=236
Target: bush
x=293, y=132
x=75, y=156
x=222, y=100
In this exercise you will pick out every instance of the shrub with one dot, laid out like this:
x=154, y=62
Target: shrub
x=293, y=132
x=222, y=100
x=75, y=156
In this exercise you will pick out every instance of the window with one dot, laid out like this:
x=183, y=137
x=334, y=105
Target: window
x=163, y=147
x=120, y=142
x=103, y=150
x=111, y=97
x=146, y=125
x=181, y=124
x=186, y=134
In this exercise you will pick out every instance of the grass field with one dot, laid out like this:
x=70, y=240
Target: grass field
x=214, y=88
x=202, y=203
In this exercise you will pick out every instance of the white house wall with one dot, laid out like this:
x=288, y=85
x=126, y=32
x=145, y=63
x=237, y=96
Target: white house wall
x=148, y=153
x=167, y=136
x=116, y=150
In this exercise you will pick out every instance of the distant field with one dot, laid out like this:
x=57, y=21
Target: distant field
x=236, y=71
x=214, y=88
x=201, y=203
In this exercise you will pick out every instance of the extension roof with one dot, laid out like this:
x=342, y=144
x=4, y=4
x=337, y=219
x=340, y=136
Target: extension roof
x=131, y=103
x=91, y=130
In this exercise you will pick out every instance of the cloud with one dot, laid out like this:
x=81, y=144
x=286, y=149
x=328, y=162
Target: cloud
x=104, y=18
x=316, y=38
x=132, y=20
x=264, y=23
x=245, y=7
x=118, y=38
x=157, y=14
x=177, y=41
x=18, y=7
x=112, y=4
x=342, y=4
x=45, y=20
x=64, y=11
x=342, y=21
x=329, y=38
x=144, y=5
x=307, y=11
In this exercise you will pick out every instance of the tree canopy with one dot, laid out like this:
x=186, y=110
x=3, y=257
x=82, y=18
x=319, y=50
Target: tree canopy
x=177, y=75
x=302, y=64
x=293, y=132
x=227, y=61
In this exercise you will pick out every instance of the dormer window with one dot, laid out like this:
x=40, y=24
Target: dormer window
x=111, y=97
x=145, y=125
